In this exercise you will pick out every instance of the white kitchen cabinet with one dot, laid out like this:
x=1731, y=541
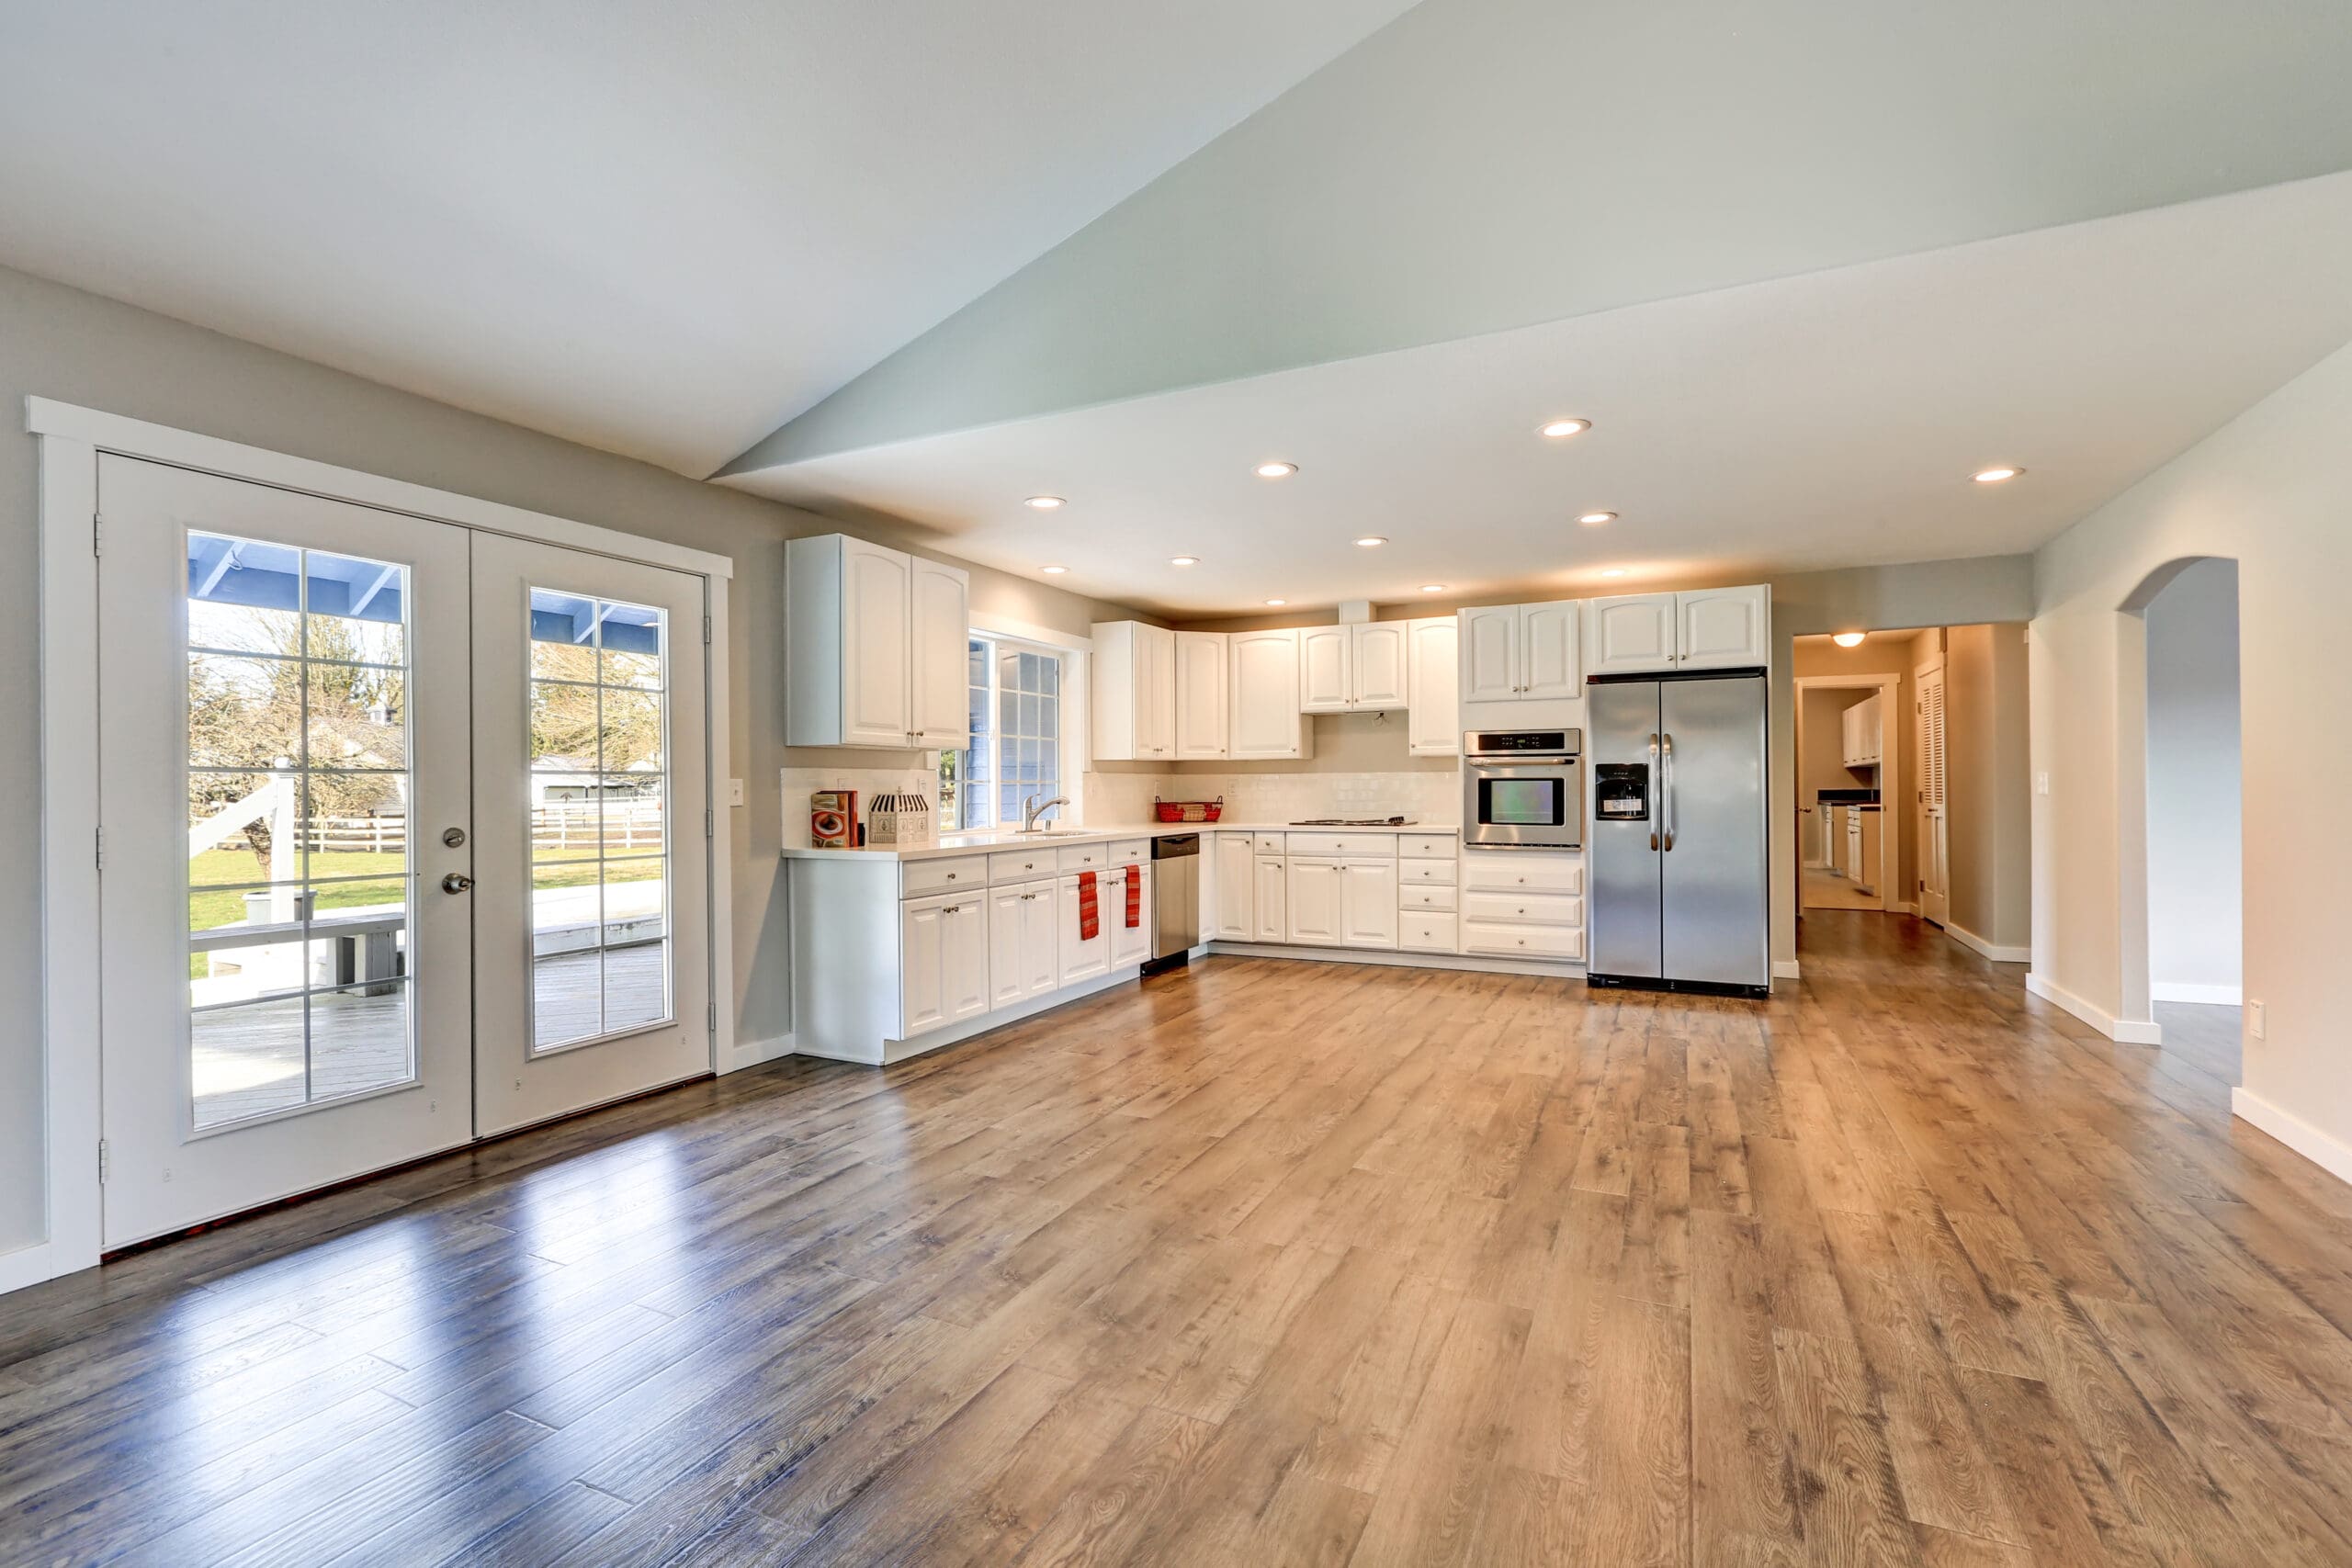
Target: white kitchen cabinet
x=1271, y=875
x=1522, y=653
x=1718, y=628
x=875, y=646
x=1023, y=962
x=1863, y=733
x=1432, y=686
x=1233, y=888
x=1316, y=900
x=1378, y=660
x=1262, y=715
x=1630, y=632
x=1368, y=909
x=1128, y=944
x=943, y=961
x=1325, y=669
x=1200, y=696
x=1134, y=683
x=1082, y=958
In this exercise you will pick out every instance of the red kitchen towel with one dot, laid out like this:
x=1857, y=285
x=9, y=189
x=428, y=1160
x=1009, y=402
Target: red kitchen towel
x=1135, y=896
x=1090, y=917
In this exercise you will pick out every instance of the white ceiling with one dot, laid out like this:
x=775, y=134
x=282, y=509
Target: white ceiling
x=660, y=229
x=1827, y=419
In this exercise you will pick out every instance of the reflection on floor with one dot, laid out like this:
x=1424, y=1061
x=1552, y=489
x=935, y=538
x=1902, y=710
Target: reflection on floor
x=1826, y=890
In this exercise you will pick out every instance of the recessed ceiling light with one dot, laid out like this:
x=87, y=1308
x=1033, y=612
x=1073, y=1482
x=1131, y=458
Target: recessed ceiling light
x=1561, y=429
x=1432, y=587
x=1849, y=639
x=1053, y=570
x=1184, y=560
x=1276, y=470
x=1595, y=519
x=1045, y=502
x=1995, y=476
x=1371, y=542
x=1277, y=600
x=1614, y=571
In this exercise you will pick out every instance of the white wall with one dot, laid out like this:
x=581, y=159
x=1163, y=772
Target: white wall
x=2273, y=490
x=2193, y=860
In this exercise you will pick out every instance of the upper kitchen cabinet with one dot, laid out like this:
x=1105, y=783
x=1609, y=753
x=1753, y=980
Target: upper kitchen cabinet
x=1133, y=679
x=1262, y=717
x=1520, y=653
x=874, y=640
x=1200, y=696
x=1714, y=629
x=1348, y=669
x=1432, y=686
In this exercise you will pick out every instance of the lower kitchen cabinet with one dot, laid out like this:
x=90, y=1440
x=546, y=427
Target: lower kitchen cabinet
x=1368, y=914
x=1233, y=915
x=1130, y=944
x=1315, y=900
x=1269, y=917
x=944, y=961
x=1023, y=962
x=1083, y=958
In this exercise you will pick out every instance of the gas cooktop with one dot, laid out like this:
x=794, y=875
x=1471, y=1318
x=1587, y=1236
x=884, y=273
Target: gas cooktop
x=1354, y=823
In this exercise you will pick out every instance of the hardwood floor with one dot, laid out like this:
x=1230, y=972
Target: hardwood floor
x=1273, y=1262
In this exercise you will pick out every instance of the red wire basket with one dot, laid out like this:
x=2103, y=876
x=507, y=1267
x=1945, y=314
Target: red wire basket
x=1188, y=810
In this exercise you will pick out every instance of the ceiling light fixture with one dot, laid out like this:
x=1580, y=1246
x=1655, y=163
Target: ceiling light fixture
x=1561, y=429
x=1995, y=476
x=1595, y=519
x=1184, y=560
x=1277, y=600
x=1370, y=541
x=1053, y=570
x=1432, y=587
x=1276, y=470
x=1045, y=502
x=1849, y=639
x=1614, y=571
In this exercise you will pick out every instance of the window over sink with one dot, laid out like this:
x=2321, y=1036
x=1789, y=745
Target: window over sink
x=1015, y=692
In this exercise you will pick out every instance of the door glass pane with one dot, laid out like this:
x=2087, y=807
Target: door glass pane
x=299, y=894
x=600, y=839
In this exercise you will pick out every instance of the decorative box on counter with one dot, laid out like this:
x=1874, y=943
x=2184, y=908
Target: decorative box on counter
x=899, y=822
x=833, y=819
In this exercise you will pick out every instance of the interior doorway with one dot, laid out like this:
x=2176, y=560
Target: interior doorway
x=1848, y=764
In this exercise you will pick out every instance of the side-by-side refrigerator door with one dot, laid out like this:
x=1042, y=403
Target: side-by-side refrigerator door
x=1716, y=892
x=1623, y=854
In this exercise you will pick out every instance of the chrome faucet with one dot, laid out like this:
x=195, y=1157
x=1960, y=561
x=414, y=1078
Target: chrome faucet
x=1031, y=811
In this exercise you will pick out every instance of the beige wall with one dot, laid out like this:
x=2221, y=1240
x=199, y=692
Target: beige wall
x=1987, y=790
x=2273, y=490
x=1820, y=752
x=62, y=344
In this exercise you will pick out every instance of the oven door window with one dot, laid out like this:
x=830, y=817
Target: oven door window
x=1521, y=803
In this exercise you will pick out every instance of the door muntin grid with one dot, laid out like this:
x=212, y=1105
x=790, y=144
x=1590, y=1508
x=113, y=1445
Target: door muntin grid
x=599, y=820
x=298, y=896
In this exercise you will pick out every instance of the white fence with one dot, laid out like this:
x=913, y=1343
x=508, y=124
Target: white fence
x=625, y=826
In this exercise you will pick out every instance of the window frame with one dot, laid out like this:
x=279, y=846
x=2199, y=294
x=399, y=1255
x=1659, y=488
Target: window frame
x=1071, y=711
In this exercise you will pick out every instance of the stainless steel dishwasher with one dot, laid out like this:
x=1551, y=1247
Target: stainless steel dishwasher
x=1175, y=900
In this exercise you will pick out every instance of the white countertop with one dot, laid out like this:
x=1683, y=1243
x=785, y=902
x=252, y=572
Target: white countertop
x=981, y=843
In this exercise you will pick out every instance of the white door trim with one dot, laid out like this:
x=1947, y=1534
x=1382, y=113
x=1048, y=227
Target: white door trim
x=71, y=438
x=1889, y=687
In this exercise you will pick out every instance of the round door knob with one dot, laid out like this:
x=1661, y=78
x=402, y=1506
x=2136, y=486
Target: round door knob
x=456, y=882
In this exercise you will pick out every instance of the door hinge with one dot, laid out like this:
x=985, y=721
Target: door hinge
x=710, y=1017
x=706, y=630
x=709, y=824
x=102, y=1162
x=98, y=535
x=102, y=849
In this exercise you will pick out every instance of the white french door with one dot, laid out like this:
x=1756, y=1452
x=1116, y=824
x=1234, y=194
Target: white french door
x=1935, y=829
x=326, y=769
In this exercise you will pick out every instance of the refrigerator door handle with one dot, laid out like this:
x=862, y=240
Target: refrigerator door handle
x=1666, y=758
x=1651, y=783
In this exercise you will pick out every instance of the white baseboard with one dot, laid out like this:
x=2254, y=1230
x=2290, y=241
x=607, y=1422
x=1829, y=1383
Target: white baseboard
x=2211, y=996
x=1784, y=969
x=2329, y=1153
x=1816, y=865
x=752, y=1053
x=2128, y=1031
x=41, y=1260
x=1907, y=908
x=1399, y=959
x=1967, y=938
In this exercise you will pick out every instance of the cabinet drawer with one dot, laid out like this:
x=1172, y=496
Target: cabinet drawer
x=1427, y=846
x=1021, y=865
x=1426, y=933
x=1084, y=857
x=1267, y=843
x=1523, y=908
x=1507, y=872
x=1523, y=941
x=1344, y=846
x=1425, y=873
x=1410, y=898
x=917, y=877
x=1129, y=852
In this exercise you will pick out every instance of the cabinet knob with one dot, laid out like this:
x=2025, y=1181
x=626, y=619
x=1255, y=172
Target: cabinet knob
x=951, y=876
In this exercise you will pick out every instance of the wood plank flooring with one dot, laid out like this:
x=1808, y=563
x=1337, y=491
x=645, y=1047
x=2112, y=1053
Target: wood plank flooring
x=1272, y=1263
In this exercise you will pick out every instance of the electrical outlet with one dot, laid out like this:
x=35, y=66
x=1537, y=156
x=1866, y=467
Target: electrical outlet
x=2041, y=783
x=2255, y=1023
x=734, y=792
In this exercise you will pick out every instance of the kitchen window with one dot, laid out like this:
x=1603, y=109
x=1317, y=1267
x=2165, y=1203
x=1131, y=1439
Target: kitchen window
x=1016, y=710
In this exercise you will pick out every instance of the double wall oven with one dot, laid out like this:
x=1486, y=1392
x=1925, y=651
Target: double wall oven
x=1522, y=788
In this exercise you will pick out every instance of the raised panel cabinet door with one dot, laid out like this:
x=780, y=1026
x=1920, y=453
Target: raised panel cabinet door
x=1273, y=874
x=1723, y=629
x=1233, y=870
x=942, y=667
x=1155, y=692
x=1433, y=687
x=1081, y=958
x=1326, y=682
x=1368, y=904
x=1040, y=963
x=1633, y=631
x=1263, y=718
x=1130, y=945
x=1490, y=654
x=922, y=967
x=1380, y=656
x=878, y=594
x=964, y=957
x=1008, y=965
x=1550, y=662
x=1200, y=695
x=1315, y=902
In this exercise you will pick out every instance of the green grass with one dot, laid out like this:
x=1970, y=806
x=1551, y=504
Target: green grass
x=211, y=906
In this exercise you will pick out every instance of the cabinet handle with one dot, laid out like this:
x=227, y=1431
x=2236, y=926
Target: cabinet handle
x=953, y=909
x=951, y=876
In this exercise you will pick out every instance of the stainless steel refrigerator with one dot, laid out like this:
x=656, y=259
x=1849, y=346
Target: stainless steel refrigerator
x=1680, y=871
